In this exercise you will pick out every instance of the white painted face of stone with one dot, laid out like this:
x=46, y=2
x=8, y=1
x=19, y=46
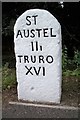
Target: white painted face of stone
x=37, y=38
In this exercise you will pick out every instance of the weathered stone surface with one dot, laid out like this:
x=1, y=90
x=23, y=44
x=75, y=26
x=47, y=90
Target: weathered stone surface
x=37, y=38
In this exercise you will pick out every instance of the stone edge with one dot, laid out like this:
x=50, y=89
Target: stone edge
x=45, y=106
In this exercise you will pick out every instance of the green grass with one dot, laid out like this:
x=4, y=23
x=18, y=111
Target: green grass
x=8, y=77
x=75, y=72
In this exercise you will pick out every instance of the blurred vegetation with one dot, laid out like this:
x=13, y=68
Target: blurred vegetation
x=8, y=77
x=71, y=67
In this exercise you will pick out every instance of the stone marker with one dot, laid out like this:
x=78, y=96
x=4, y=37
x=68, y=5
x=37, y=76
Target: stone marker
x=37, y=38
